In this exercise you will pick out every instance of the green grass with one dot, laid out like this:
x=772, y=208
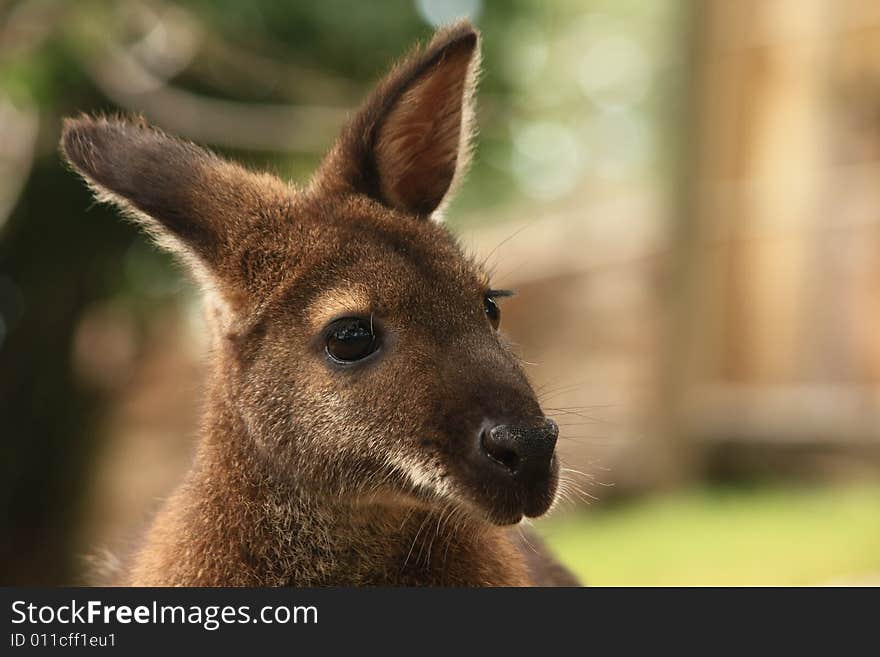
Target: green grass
x=726, y=536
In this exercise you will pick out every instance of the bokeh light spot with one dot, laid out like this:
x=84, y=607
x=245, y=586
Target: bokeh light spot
x=441, y=12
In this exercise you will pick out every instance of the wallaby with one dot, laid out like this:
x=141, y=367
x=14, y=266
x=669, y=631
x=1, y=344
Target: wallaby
x=366, y=424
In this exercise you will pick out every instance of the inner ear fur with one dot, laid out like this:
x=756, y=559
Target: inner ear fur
x=190, y=200
x=410, y=142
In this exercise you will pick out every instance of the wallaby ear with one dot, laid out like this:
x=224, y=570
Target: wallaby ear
x=410, y=142
x=190, y=200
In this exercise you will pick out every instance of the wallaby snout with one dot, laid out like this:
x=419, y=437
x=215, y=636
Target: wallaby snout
x=499, y=449
x=523, y=458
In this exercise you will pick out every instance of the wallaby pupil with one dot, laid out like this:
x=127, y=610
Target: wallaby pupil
x=493, y=312
x=351, y=339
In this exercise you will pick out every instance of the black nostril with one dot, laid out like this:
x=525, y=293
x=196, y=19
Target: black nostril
x=521, y=448
x=500, y=445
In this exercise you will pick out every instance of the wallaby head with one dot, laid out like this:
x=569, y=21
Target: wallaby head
x=355, y=342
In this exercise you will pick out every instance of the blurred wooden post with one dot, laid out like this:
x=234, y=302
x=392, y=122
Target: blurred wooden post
x=758, y=182
x=666, y=455
x=748, y=195
x=775, y=254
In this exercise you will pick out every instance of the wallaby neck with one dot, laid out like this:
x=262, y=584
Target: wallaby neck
x=232, y=524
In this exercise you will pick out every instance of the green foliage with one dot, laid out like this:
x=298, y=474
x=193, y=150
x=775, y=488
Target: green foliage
x=727, y=536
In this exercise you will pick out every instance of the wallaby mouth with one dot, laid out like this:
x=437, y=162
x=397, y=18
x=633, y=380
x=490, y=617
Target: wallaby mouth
x=513, y=470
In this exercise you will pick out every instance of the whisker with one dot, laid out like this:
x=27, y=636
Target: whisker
x=505, y=241
x=577, y=472
x=411, y=547
x=526, y=540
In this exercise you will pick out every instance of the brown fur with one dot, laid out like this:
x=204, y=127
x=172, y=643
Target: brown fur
x=308, y=473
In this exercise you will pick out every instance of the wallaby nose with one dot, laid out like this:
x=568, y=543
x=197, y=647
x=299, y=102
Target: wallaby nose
x=522, y=449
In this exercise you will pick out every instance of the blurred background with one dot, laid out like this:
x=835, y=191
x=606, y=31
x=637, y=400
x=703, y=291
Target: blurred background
x=686, y=196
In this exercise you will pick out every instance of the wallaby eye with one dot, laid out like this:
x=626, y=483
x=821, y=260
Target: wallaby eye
x=493, y=312
x=351, y=339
